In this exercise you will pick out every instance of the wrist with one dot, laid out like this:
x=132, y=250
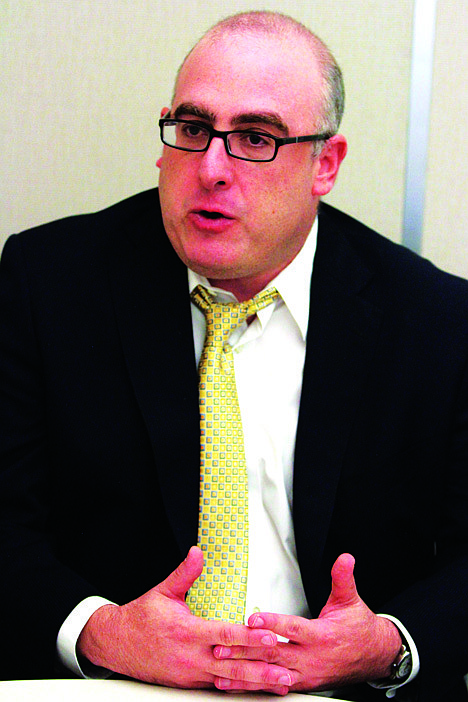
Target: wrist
x=391, y=648
x=92, y=643
x=400, y=668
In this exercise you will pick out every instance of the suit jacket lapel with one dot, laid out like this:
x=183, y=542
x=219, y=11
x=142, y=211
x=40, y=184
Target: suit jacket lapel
x=152, y=306
x=343, y=328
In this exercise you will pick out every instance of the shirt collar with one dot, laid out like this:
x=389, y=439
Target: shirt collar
x=293, y=284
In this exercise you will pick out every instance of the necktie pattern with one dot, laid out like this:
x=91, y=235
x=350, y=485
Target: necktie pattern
x=223, y=529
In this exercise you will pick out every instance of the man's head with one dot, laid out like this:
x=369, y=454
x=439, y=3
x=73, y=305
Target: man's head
x=238, y=222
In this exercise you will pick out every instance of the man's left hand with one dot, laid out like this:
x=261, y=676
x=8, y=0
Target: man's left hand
x=347, y=644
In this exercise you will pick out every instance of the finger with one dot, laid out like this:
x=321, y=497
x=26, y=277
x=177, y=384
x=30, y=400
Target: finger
x=228, y=635
x=182, y=578
x=343, y=592
x=250, y=653
x=234, y=674
x=283, y=654
x=294, y=628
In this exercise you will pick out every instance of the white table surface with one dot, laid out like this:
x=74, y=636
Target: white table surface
x=124, y=691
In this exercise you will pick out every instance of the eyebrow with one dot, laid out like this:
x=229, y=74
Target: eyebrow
x=268, y=118
x=271, y=119
x=188, y=108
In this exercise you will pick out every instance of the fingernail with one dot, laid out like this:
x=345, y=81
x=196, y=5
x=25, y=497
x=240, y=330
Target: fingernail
x=257, y=621
x=268, y=640
x=223, y=683
x=285, y=680
x=222, y=652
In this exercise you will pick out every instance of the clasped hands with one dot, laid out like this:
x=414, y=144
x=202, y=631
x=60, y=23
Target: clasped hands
x=155, y=638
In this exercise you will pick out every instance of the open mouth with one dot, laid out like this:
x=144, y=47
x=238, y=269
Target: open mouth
x=212, y=220
x=212, y=215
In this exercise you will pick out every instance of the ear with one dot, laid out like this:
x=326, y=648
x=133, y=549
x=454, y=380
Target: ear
x=164, y=112
x=329, y=163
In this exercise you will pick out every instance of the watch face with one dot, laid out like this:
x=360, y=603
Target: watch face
x=404, y=666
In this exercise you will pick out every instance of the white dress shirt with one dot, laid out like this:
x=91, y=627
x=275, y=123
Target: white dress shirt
x=269, y=359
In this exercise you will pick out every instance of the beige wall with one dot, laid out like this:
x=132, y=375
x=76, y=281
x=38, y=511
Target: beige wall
x=83, y=81
x=445, y=239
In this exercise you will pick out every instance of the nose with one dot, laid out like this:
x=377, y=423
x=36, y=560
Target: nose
x=216, y=167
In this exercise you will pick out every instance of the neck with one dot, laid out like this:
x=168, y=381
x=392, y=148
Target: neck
x=241, y=291
x=246, y=288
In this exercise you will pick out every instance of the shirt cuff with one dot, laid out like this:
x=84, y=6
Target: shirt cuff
x=393, y=687
x=68, y=636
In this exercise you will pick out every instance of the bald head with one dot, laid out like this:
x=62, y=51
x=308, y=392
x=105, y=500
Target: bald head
x=285, y=28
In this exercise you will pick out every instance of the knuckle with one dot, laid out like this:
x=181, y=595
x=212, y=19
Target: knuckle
x=234, y=671
x=294, y=628
x=266, y=673
x=239, y=671
x=227, y=635
x=269, y=655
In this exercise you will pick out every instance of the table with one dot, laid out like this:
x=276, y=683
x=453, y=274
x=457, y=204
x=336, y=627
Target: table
x=124, y=691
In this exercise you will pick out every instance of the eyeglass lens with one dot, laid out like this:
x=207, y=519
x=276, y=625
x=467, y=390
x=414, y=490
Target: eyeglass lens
x=244, y=144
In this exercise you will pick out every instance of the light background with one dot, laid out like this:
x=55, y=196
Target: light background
x=83, y=81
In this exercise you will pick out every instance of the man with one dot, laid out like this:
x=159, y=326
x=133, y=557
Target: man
x=352, y=389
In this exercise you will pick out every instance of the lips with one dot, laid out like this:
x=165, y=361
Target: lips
x=212, y=214
x=212, y=220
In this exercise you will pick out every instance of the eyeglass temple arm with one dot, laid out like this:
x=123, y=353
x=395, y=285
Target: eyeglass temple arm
x=315, y=137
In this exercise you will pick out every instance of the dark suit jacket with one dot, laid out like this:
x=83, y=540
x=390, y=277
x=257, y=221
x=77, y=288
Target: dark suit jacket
x=99, y=436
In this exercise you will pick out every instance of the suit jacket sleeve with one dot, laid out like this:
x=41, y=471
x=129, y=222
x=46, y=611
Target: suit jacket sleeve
x=37, y=590
x=382, y=443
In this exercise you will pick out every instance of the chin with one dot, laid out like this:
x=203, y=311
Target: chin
x=214, y=266
x=215, y=272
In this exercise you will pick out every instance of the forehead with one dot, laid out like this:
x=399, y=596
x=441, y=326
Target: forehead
x=253, y=73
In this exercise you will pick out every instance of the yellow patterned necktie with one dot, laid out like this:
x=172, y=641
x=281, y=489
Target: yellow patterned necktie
x=223, y=528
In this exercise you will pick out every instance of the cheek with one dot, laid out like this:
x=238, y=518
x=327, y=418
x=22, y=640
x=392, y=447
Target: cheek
x=278, y=198
x=286, y=206
x=171, y=191
x=288, y=184
x=176, y=171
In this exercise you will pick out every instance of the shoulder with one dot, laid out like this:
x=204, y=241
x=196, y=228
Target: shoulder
x=398, y=278
x=92, y=227
x=86, y=238
x=398, y=270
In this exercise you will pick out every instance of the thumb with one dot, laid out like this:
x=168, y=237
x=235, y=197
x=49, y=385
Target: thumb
x=182, y=578
x=343, y=592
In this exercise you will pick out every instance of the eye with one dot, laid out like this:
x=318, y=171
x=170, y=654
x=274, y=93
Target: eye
x=255, y=139
x=192, y=131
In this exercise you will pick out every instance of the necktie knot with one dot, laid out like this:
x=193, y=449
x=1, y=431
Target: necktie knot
x=223, y=318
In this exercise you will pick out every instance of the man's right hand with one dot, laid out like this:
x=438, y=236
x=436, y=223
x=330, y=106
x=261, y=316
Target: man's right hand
x=156, y=638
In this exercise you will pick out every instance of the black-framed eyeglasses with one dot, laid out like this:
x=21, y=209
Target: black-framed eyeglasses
x=245, y=144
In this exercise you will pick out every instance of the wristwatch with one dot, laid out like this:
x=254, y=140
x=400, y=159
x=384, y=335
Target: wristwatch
x=401, y=666
x=401, y=669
